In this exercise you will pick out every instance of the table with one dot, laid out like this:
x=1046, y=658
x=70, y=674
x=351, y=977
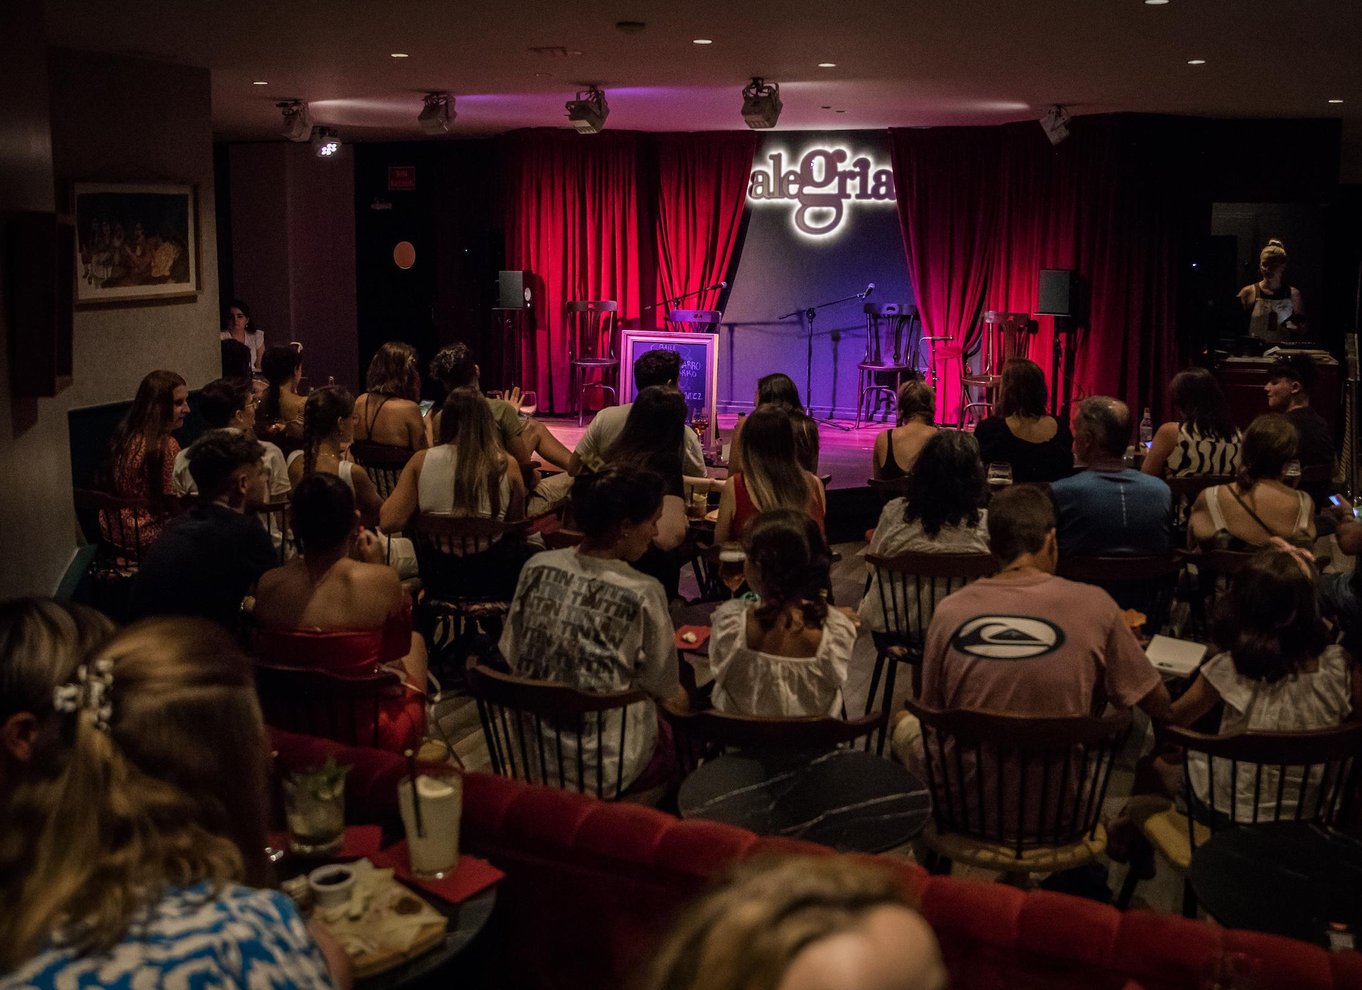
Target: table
x=466, y=920
x=848, y=799
x=1288, y=878
x=1242, y=380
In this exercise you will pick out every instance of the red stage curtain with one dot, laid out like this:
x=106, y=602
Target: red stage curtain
x=992, y=206
x=572, y=219
x=702, y=188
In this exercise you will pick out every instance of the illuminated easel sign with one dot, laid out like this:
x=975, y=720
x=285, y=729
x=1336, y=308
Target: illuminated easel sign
x=822, y=182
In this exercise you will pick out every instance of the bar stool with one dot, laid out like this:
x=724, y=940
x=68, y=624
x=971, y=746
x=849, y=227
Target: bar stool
x=1006, y=335
x=593, y=327
x=886, y=324
x=694, y=320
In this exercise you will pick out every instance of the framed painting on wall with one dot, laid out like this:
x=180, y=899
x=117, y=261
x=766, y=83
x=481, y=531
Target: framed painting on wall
x=135, y=241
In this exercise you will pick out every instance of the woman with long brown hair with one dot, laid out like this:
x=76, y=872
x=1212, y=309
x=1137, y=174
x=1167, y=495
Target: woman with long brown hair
x=328, y=428
x=135, y=850
x=390, y=408
x=142, y=455
x=280, y=416
x=771, y=477
x=1021, y=432
x=1203, y=439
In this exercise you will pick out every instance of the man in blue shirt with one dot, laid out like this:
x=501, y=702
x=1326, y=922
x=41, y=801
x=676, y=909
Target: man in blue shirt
x=1108, y=508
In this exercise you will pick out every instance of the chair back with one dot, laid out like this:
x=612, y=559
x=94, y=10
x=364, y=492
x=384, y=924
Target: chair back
x=703, y=735
x=277, y=520
x=1006, y=336
x=1252, y=777
x=695, y=320
x=383, y=462
x=1023, y=782
x=1143, y=581
x=341, y=707
x=1188, y=487
x=540, y=732
x=593, y=330
x=889, y=334
x=889, y=489
x=443, y=541
x=113, y=524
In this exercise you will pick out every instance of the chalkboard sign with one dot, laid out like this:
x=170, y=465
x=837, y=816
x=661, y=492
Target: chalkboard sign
x=699, y=380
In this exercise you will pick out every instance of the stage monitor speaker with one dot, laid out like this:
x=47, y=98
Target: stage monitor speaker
x=1057, y=293
x=514, y=290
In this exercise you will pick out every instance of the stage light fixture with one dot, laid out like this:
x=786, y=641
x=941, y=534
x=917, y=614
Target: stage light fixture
x=325, y=141
x=761, y=104
x=588, y=111
x=437, y=114
x=1056, y=124
x=297, y=127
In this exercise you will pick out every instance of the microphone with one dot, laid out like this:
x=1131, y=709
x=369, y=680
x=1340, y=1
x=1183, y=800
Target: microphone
x=870, y=287
x=717, y=285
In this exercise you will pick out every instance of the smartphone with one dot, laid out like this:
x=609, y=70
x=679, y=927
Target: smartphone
x=1335, y=501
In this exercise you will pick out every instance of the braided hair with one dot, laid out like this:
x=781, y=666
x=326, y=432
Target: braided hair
x=323, y=408
x=792, y=562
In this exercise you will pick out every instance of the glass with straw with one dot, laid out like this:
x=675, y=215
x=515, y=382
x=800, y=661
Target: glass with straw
x=430, y=799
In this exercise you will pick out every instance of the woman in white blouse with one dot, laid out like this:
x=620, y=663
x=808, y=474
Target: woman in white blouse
x=787, y=653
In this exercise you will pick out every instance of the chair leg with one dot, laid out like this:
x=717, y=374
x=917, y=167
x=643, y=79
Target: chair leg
x=1132, y=881
x=1189, y=905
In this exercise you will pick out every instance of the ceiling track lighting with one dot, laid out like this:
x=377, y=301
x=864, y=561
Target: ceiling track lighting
x=325, y=142
x=437, y=113
x=1055, y=124
x=297, y=126
x=761, y=104
x=588, y=111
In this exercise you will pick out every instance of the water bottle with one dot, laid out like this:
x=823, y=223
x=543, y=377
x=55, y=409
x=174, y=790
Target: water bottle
x=331, y=380
x=1146, y=430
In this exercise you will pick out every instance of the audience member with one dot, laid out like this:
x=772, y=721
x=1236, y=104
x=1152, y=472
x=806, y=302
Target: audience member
x=897, y=450
x=1276, y=672
x=142, y=456
x=237, y=326
x=787, y=654
x=942, y=513
x=1288, y=393
x=801, y=923
x=208, y=558
x=332, y=612
x=656, y=367
x=467, y=473
x=236, y=361
x=771, y=477
x=329, y=418
x=227, y=404
x=1108, y=508
x=1203, y=439
x=1340, y=592
x=582, y=616
x=1021, y=432
x=389, y=411
x=281, y=407
x=1258, y=505
x=778, y=389
x=137, y=852
x=41, y=643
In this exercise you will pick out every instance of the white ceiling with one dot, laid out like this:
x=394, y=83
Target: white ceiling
x=912, y=62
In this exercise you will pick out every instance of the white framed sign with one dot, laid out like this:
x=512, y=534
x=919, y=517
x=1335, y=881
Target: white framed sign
x=699, y=377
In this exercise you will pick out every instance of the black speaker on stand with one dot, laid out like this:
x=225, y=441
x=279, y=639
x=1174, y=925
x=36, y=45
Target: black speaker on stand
x=515, y=299
x=1060, y=293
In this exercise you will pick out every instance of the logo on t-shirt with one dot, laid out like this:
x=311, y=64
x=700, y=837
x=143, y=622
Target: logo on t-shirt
x=1007, y=637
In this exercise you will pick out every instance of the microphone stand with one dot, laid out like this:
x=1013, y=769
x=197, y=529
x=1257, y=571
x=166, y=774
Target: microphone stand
x=676, y=299
x=810, y=314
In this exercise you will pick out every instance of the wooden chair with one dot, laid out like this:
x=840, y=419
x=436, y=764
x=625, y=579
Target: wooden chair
x=1185, y=491
x=1151, y=579
x=1020, y=794
x=536, y=731
x=1005, y=336
x=909, y=587
x=694, y=320
x=1214, y=569
x=702, y=735
x=112, y=525
x=1324, y=760
x=342, y=707
x=888, y=489
x=277, y=520
x=890, y=349
x=383, y=462
x=593, y=344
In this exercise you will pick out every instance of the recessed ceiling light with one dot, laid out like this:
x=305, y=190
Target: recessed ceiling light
x=260, y=82
x=399, y=55
x=1156, y=3
x=841, y=111
x=1335, y=101
x=1196, y=61
x=827, y=65
x=702, y=41
x=826, y=106
x=574, y=51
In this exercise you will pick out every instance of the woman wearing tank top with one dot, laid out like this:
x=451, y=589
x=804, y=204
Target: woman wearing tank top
x=1203, y=440
x=389, y=410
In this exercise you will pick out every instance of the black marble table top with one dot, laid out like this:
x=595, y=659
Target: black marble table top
x=466, y=920
x=848, y=799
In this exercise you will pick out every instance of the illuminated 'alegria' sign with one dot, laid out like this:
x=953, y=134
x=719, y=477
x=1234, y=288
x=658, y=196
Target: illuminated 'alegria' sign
x=822, y=186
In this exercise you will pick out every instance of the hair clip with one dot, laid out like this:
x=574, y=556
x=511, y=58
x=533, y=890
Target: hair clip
x=92, y=692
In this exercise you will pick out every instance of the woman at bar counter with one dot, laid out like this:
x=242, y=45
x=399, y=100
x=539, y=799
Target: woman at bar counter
x=135, y=854
x=1273, y=309
x=389, y=410
x=1021, y=433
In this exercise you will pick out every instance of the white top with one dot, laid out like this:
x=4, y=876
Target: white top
x=255, y=340
x=893, y=536
x=343, y=469
x=597, y=625
x=435, y=492
x=1194, y=454
x=750, y=682
x=607, y=425
x=275, y=466
x=1303, y=516
x=1298, y=702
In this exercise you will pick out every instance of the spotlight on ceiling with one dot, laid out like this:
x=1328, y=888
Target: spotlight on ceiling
x=437, y=114
x=325, y=142
x=1055, y=124
x=297, y=127
x=588, y=112
x=761, y=104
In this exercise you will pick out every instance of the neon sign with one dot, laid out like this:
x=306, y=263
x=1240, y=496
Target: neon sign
x=822, y=183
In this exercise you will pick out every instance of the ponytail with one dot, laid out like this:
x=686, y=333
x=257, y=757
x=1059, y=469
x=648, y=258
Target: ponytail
x=794, y=564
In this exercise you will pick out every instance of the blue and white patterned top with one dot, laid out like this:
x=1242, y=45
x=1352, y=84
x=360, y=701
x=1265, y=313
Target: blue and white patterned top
x=241, y=938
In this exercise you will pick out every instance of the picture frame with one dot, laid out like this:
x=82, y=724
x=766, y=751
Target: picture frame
x=135, y=242
x=699, y=377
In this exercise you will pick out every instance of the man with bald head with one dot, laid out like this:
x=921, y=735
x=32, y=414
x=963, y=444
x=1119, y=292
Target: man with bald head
x=1108, y=508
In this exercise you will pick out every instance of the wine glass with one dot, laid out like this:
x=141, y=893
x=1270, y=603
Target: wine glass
x=1291, y=472
x=529, y=403
x=732, y=568
x=699, y=422
x=999, y=475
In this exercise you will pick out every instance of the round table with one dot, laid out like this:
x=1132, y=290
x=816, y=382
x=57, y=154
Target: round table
x=1288, y=878
x=848, y=799
x=466, y=919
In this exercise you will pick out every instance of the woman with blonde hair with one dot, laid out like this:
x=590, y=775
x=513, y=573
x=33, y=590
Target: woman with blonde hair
x=1273, y=310
x=801, y=923
x=771, y=477
x=896, y=450
x=390, y=409
x=135, y=852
